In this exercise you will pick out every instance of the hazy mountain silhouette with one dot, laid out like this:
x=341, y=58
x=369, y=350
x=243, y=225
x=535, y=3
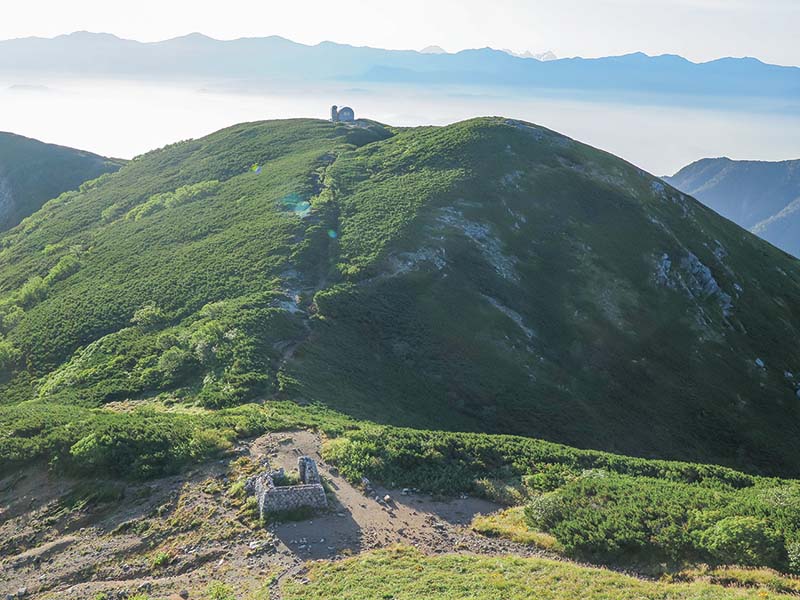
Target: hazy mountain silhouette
x=275, y=58
x=762, y=196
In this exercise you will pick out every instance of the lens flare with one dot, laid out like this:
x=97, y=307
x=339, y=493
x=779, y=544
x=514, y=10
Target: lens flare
x=332, y=234
x=297, y=205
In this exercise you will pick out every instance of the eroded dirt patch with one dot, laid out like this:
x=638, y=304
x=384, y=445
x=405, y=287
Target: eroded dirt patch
x=63, y=538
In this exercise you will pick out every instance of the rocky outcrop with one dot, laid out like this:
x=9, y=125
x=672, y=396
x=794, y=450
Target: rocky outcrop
x=694, y=278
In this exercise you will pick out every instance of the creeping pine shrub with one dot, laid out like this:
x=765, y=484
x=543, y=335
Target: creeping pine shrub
x=10, y=315
x=543, y=512
x=149, y=317
x=606, y=516
x=793, y=556
x=176, y=364
x=9, y=355
x=143, y=445
x=548, y=477
x=746, y=541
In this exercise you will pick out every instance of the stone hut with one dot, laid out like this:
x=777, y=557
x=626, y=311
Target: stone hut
x=276, y=499
x=344, y=114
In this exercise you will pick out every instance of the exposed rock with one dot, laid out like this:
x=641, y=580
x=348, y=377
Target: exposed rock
x=511, y=314
x=658, y=188
x=701, y=281
x=663, y=268
x=511, y=179
x=719, y=250
x=411, y=261
x=694, y=278
x=488, y=244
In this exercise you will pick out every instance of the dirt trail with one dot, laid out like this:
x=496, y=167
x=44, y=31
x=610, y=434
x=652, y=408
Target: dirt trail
x=52, y=550
x=357, y=522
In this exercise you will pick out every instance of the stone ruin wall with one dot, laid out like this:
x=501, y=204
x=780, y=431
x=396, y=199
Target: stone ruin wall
x=308, y=470
x=282, y=499
x=273, y=499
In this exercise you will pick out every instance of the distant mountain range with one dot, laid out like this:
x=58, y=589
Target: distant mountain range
x=433, y=50
x=32, y=172
x=543, y=56
x=275, y=58
x=549, y=55
x=763, y=197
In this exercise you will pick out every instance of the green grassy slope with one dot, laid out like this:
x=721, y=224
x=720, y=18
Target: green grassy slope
x=532, y=296
x=406, y=574
x=32, y=172
x=490, y=275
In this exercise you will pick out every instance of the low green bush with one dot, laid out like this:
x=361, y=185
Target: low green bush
x=217, y=590
x=140, y=444
x=747, y=541
x=598, y=506
x=610, y=517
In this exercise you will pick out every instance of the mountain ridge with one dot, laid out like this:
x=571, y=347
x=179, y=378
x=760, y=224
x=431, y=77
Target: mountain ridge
x=761, y=196
x=491, y=275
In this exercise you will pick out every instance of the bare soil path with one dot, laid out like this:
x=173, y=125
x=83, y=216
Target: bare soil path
x=53, y=549
x=358, y=522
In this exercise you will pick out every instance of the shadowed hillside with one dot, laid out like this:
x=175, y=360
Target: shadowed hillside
x=32, y=172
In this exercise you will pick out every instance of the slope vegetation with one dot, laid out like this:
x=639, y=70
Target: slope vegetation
x=491, y=275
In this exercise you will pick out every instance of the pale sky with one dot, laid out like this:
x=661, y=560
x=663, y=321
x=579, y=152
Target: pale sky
x=697, y=29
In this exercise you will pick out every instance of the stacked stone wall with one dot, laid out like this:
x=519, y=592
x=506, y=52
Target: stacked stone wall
x=308, y=470
x=276, y=499
x=283, y=499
